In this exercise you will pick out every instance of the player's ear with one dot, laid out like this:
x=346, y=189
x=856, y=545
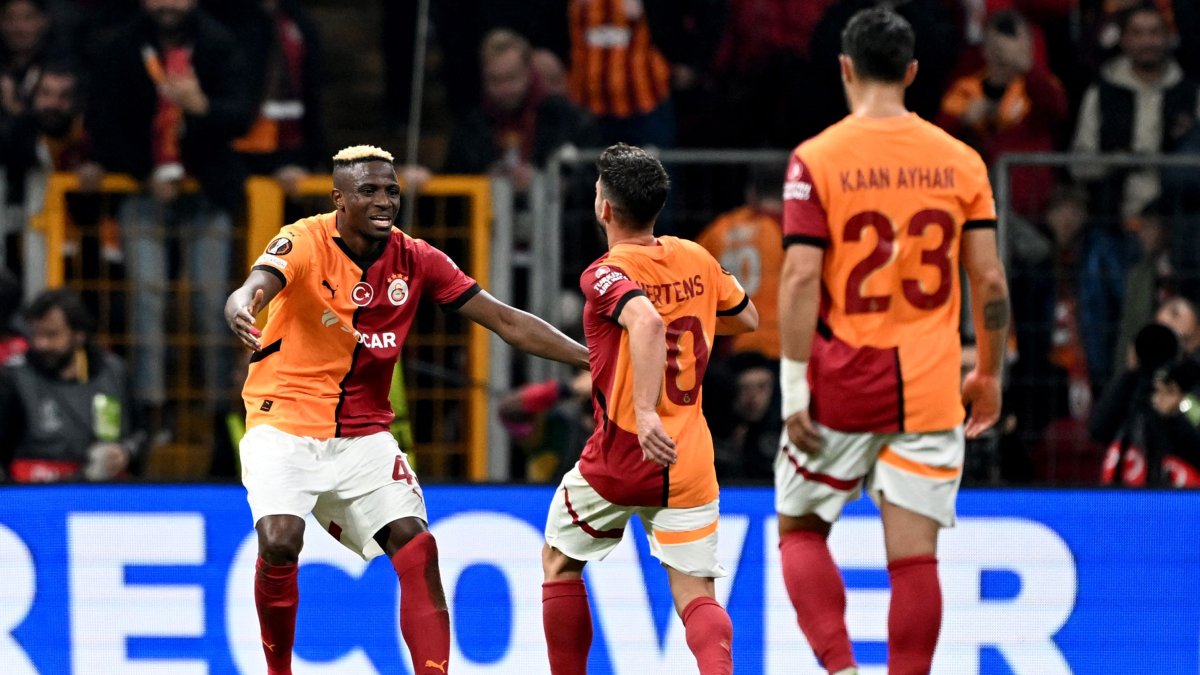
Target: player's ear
x=606, y=211
x=847, y=68
x=910, y=73
x=336, y=196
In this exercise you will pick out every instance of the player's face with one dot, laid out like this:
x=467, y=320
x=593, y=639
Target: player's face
x=52, y=343
x=369, y=194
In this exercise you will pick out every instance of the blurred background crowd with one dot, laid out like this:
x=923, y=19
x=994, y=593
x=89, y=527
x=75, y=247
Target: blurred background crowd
x=185, y=100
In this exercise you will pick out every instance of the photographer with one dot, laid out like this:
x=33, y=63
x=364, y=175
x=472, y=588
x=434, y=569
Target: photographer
x=1151, y=442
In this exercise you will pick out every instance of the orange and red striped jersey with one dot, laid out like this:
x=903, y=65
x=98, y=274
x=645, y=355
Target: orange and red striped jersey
x=888, y=200
x=335, y=331
x=690, y=290
x=749, y=243
x=616, y=71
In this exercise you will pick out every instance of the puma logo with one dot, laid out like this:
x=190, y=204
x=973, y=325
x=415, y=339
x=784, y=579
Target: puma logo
x=271, y=647
x=725, y=644
x=332, y=290
x=430, y=663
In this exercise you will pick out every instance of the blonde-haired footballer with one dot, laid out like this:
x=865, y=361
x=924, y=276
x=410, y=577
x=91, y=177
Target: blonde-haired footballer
x=344, y=287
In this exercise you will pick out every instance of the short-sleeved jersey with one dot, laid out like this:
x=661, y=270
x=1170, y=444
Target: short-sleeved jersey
x=335, y=331
x=888, y=200
x=689, y=289
x=749, y=243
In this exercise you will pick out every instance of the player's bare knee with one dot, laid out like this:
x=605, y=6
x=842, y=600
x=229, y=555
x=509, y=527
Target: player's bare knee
x=558, y=566
x=398, y=533
x=280, y=539
x=809, y=522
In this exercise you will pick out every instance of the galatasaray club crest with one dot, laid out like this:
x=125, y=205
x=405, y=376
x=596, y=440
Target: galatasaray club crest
x=397, y=291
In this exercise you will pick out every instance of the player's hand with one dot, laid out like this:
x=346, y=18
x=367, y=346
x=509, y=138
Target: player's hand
x=657, y=446
x=242, y=322
x=803, y=433
x=982, y=394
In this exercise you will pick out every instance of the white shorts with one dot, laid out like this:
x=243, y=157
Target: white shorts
x=354, y=486
x=920, y=472
x=585, y=526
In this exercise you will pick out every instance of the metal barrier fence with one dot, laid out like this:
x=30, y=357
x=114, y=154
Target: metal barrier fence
x=446, y=358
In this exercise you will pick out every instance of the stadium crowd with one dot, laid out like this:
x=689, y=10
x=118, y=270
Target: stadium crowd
x=1104, y=262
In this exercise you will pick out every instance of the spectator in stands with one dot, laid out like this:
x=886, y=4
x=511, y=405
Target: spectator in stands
x=1151, y=280
x=287, y=140
x=764, y=44
x=1141, y=103
x=552, y=72
x=1010, y=105
x=1066, y=289
x=170, y=95
x=1182, y=315
x=12, y=343
x=746, y=431
x=1149, y=442
x=518, y=126
x=748, y=242
x=24, y=48
x=64, y=412
x=619, y=74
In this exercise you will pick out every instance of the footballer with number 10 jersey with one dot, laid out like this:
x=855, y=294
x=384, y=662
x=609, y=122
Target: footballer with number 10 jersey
x=690, y=290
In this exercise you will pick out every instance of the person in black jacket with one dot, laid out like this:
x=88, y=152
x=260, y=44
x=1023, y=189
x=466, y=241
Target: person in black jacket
x=283, y=58
x=170, y=94
x=64, y=411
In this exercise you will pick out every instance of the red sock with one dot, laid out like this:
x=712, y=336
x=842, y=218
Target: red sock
x=425, y=627
x=567, y=620
x=915, y=615
x=709, y=635
x=818, y=593
x=276, y=595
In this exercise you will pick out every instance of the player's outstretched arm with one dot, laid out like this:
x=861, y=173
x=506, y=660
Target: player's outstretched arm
x=742, y=322
x=648, y=359
x=989, y=305
x=524, y=331
x=243, y=305
x=799, y=300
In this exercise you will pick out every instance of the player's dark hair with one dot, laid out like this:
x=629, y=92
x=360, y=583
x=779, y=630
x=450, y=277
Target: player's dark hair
x=880, y=43
x=77, y=315
x=635, y=183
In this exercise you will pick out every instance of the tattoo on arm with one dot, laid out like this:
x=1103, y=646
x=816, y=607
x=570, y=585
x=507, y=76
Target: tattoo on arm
x=995, y=314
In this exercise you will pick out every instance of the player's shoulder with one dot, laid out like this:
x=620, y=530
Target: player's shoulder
x=684, y=254
x=589, y=273
x=936, y=139
x=826, y=142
